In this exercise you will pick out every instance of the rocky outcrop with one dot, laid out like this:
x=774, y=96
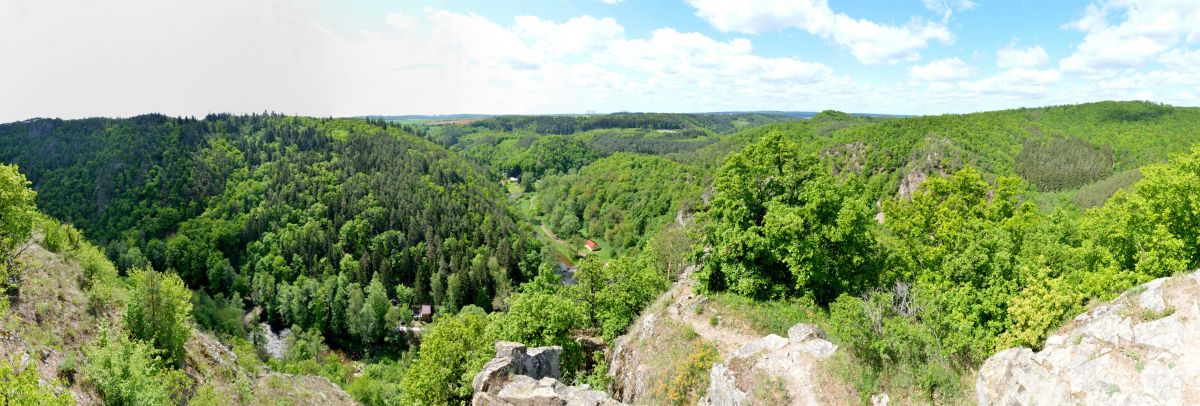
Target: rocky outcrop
x=1143, y=348
x=792, y=362
x=722, y=388
x=517, y=359
x=520, y=376
x=628, y=371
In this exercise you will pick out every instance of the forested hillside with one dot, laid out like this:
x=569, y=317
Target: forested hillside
x=528, y=147
x=618, y=199
x=918, y=247
x=921, y=244
x=301, y=217
x=1078, y=153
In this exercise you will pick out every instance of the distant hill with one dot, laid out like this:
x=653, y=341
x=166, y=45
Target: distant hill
x=1079, y=152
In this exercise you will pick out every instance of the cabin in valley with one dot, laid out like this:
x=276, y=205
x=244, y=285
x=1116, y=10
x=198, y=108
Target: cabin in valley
x=424, y=313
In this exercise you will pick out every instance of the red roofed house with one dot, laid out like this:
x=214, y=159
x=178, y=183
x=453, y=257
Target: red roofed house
x=592, y=246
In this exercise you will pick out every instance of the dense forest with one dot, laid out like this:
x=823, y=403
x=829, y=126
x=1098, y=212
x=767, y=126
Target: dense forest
x=528, y=147
x=922, y=244
x=303, y=218
x=620, y=199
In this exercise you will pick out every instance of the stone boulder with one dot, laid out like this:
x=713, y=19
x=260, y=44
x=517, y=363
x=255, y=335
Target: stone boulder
x=520, y=376
x=517, y=359
x=792, y=361
x=1143, y=348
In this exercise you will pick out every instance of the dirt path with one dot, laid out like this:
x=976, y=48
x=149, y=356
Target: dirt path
x=552, y=236
x=682, y=309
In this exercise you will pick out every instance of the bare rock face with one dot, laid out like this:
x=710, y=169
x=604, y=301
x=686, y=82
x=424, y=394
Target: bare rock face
x=722, y=388
x=629, y=374
x=517, y=359
x=520, y=376
x=790, y=361
x=1143, y=348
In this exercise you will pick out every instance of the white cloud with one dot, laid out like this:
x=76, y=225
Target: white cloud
x=198, y=56
x=1180, y=58
x=273, y=55
x=947, y=7
x=401, y=21
x=1120, y=34
x=81, y=59
x=869, y=42
x=681, y=59
x=1025, y=85
x=942, y=70
x=611, y=1
x=1012, y=56
x=579, y=34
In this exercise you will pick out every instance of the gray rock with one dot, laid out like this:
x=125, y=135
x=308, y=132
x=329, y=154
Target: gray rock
x=628, y=373
x=791, y=360
x=803, y=332
x=517, y=359
x=520, y=376
x=722, y=388
x=1143, y=348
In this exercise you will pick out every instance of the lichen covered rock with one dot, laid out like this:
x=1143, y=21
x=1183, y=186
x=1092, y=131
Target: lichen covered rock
x=1143, y=348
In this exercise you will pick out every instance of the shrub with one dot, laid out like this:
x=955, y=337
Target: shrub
x=67, y=368
x=780, y=225
x=301, y=345
x=453, y=350
x=57, y=237
x=207, y=395
x=687, y=380
x=541, y=319
x=218, y=314
x=21, y=388
x=17, y=210
x=379, y=383
x=130, y=372
x=159, y=312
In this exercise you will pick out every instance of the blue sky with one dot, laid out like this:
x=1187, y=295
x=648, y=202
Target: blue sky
x=355, y=57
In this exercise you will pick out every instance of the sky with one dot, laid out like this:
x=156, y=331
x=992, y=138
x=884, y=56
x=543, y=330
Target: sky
x=120, y=58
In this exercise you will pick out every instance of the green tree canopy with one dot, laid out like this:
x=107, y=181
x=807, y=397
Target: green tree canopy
x=159, y=312
x=17, y=210
x=452, y=351
x=780, y=224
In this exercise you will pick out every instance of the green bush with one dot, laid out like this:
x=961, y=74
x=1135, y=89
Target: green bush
x=301, y=345
x=687, y=379
x=159, y=312
x=542, y=319
x=452, y=351
x=379, y=383
x=615, y=292
x=57, y=237
x=21, y=387
x=130, y=372
x=780, y=225
x=218, y=314
x=67, y=368
x=17, y=210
